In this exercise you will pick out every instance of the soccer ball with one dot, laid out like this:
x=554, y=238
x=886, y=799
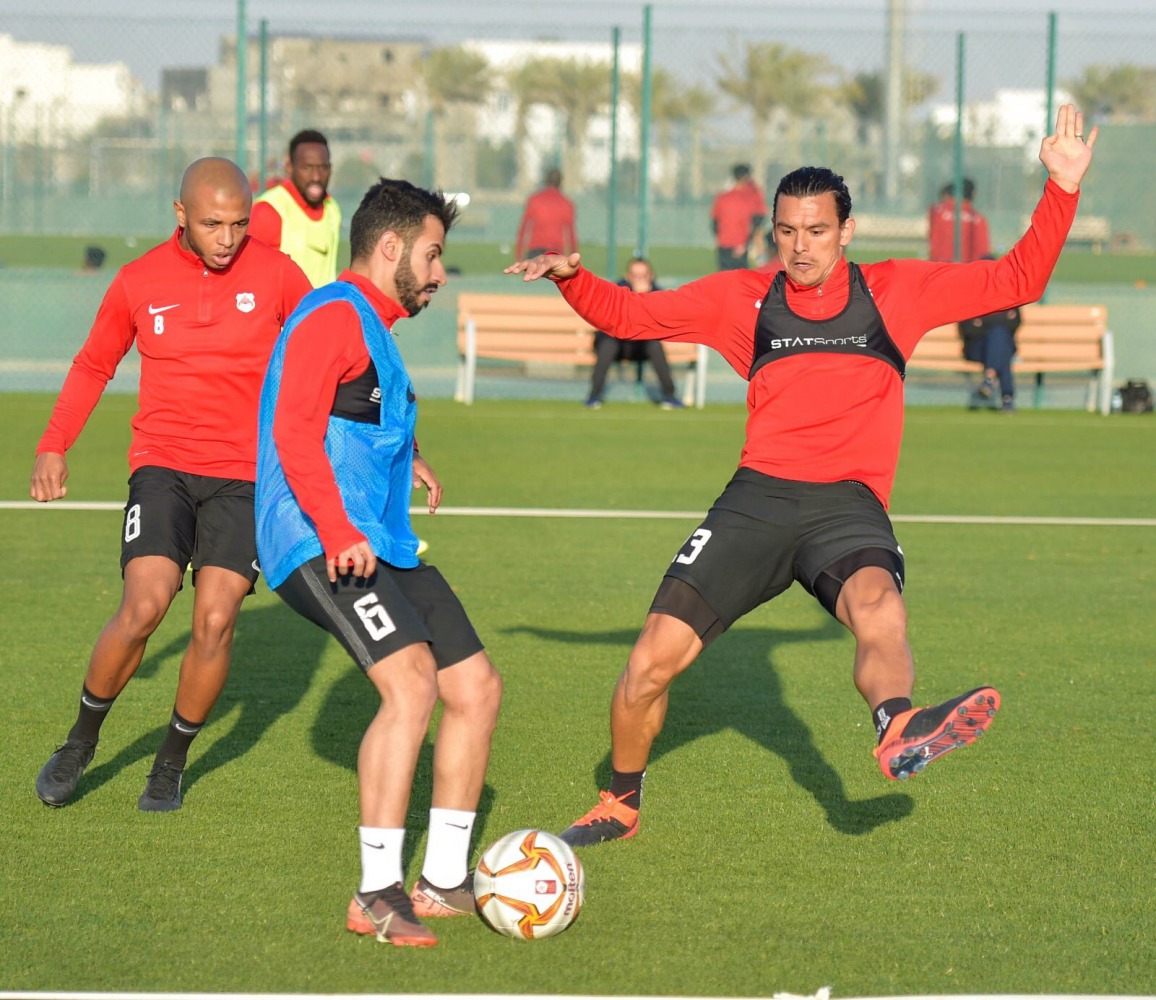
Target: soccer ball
x=529, y=885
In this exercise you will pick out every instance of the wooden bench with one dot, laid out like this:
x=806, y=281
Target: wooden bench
x=1094, y=231
x=1051, y=338
x=542, y=334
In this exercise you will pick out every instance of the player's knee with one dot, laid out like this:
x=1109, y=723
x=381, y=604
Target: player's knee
x=213, y=627
x=138, y=618
x=407, y=682
x=477, y=695
x=650, y=671
x=877, y=613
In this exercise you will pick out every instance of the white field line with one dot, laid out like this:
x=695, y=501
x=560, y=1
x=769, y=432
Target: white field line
x=656, y=515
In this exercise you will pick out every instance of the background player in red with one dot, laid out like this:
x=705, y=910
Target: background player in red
x=548, y=221
x=974, y=239
x=203, y=309
x=735, y=218
x=823, y=344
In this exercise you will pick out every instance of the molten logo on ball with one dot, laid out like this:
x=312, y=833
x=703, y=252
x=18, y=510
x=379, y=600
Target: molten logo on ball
x=529, y=885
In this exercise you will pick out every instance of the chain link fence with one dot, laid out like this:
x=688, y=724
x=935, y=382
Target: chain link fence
x=99, y=116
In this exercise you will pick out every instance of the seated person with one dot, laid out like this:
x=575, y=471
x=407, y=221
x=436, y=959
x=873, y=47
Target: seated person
x=639, y=276
x=990, y=340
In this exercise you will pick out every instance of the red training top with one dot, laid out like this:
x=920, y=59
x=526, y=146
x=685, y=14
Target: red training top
x=547, y=224
x=204, y=339
x=265, y=220
x=733, y=213
x=826, y=417
x=974, y=241
x=325, y=349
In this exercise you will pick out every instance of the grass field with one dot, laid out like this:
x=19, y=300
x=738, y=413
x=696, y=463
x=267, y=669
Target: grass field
x=772, y=855
x=475, y=258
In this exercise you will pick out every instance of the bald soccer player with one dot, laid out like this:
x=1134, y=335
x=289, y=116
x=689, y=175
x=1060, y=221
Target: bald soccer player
x=204, y=310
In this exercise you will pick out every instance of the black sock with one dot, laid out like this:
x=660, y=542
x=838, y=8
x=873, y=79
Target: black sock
x=175, y=748
x=625, y=784
x=90, y=717
x=884, y=713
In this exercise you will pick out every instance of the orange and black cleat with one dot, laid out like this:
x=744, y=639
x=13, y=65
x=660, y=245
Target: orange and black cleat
x=917, y=737
x=388, y=915
x=611, y=819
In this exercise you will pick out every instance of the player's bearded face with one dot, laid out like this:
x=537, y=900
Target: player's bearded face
x=419, y=270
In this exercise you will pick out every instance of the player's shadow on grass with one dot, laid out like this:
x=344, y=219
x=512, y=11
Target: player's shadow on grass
x=275, y=657
x=347, y=710
x=734, y=685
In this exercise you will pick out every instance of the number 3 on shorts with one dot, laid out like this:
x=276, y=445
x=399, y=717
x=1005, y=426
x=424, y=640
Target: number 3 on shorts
x=696, y=543
x=374, y=617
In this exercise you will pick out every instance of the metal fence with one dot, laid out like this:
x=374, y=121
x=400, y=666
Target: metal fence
x=100, y=114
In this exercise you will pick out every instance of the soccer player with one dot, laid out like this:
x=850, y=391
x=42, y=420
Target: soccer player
x=735, y=217
x=203, y=310
x=336, y=464
x=823, y=344
x=974, y=242
x=298, y=216
x=547, y=221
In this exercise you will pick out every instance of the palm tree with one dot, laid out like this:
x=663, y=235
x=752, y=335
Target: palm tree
x=771, y=78
x=865, y=95
x=452, y=77
x=1124, y=93
x=672, y=105
x=582, y=88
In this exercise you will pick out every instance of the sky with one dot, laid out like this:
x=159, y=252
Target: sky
x=149, y=34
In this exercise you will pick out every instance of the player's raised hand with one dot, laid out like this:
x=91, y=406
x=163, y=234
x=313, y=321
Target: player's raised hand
x=546, y=265
x=49, y=474
x=1067, y=154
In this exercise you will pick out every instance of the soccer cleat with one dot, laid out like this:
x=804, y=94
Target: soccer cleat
x=163, y=790
x=670, y=403
x=430, y=901
x=593, y=403
x=920, y=735
x=611, y=819
x=58, y=777
x=388, y=915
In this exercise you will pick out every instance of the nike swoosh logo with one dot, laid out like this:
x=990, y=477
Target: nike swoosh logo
x=153, y=310
x=376, y=847
x=187, y=730
x=459, y=826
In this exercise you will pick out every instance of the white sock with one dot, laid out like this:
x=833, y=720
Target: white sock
x=380, y=857
x=448, y=849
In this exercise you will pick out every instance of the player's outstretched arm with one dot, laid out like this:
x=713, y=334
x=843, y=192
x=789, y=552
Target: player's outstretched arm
x=49, y=474
x=547, y=265
x=1067, y=153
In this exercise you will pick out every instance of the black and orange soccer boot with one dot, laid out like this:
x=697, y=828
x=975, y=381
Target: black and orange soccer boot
x=388, y=915
x=611, y=819
x=430, y=900
x=919, y=736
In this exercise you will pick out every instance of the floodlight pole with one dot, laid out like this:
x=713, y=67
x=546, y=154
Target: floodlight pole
x=263, y=119
x=644, y=141
x=242, y=85
x=961, y=46
x=612, y=180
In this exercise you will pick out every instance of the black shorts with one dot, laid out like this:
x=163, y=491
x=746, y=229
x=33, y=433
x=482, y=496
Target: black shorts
x=764, y=533
x=190, y=519
x=375, y=616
